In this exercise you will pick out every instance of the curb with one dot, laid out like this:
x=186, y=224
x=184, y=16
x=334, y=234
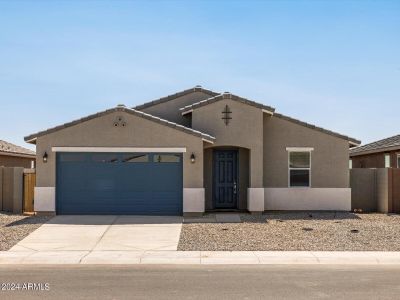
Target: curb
x=200, y=257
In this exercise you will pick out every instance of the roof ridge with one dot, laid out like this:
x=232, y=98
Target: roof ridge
x=197, y=88
x=148, y=116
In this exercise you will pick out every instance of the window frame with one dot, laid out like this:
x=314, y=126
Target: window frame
x=294, y=150
x=154, y=161
x=387, y=155
x=398, y=160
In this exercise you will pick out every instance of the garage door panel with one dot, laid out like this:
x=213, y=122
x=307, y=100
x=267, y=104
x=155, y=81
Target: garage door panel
x=127, y=183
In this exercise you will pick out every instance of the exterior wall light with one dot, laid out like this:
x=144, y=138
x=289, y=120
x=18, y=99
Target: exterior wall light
x=192, y=158
x=45, y=157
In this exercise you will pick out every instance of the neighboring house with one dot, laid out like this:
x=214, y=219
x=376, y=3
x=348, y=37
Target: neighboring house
x=15, y=156
x=381, y=154
x=187, y=153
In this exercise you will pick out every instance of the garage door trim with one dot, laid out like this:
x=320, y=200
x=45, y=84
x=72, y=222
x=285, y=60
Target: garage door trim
x=119, y=149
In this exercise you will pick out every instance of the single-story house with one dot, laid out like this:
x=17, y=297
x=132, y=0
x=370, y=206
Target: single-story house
x=187, y=153
x=380, y=154
x=16, y=156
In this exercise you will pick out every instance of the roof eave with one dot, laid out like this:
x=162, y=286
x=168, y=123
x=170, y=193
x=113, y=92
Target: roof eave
x=372, y=151
x=161, y=100
x=24, y=155
x=33, y=137
x=226, y=96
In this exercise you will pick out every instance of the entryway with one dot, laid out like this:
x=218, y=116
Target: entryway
x=226, y=178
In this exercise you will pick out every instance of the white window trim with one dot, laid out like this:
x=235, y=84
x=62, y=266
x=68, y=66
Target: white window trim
x=299, y=149
x=118, y=149
x=385, y=156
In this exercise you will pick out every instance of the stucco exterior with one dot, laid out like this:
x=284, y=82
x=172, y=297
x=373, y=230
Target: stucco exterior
x=100, y=132
x=375, y=160
x=329, y=159
x=245, y=130
x=260, y=138
x=16, y=161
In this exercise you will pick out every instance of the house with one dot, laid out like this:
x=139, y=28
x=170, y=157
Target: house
x=380, y=154
x=15, y=156
x=190, y=152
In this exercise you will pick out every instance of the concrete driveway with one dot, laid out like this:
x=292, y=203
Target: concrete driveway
x=97, y=233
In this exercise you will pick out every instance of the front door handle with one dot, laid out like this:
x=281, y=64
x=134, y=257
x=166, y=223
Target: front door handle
x=234, y=187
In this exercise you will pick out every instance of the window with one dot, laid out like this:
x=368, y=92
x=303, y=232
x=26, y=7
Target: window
x=72, y=157
x=350, y=164
x=105, y=158
x=387, y=160
x=135, y=158
x=300, y=169
x=166, y=158
x=398, y=160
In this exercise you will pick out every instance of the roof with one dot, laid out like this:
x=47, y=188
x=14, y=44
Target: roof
x=31, y=138
x=8, y=148
x=197, y=88
x=225, y=95
x=391, y=143
x=345, y=137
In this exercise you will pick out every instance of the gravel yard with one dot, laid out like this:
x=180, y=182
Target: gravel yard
x=296, y=231
x=14, y=228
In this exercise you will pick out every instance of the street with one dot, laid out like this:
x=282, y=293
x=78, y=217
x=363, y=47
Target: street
x=199, y=282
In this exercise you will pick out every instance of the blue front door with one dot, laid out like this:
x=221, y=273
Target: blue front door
x=119, y=183
x=225, y=179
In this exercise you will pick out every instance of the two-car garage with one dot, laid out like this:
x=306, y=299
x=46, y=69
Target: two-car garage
x=119, y=183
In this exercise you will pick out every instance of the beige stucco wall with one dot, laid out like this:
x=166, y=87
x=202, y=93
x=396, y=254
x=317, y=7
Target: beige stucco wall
x=329, y=160
x=170, y=110
x=244, y=130
x=139, y=132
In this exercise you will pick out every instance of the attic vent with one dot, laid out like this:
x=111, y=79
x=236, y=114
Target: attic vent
x=119, y=122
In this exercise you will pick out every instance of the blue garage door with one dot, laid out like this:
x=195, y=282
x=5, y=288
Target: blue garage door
x=119, y=183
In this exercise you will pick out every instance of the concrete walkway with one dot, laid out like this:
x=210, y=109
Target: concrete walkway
x=199, y=257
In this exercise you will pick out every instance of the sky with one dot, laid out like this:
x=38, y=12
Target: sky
x=335, y=64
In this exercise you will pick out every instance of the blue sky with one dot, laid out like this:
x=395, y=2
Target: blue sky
x=335, y=64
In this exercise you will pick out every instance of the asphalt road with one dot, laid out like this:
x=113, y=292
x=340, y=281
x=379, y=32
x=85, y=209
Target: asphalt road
x=204, y=282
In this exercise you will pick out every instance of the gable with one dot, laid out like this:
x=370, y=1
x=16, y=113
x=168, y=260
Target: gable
x=168, y=107
x=105, y=124
x=189, y=108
